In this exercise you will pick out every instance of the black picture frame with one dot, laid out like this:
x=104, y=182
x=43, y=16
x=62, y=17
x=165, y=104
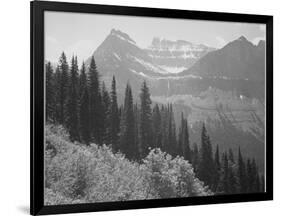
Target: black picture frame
x=37, y=106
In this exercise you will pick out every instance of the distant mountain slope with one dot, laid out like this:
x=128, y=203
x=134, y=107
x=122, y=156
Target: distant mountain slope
x=239, y=59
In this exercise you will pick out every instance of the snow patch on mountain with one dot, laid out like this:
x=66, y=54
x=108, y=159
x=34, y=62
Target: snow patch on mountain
x=173, y=69
x=149, y=66
x=117, y=56
x=141, y=74
x=166, y=77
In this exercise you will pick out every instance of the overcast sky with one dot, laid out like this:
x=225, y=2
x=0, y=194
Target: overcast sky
x=81, y=34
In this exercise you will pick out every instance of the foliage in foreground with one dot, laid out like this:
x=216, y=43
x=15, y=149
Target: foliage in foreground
x=76, y=173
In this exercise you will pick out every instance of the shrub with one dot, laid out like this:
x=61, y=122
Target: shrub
x=76, y=173
x=170, y=178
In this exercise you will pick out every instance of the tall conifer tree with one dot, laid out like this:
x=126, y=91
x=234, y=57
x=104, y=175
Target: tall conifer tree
x=72, y=102
x=84, y=115
x=242, y=181
x=217, y=172
x=195, y=157
x=137, y=140
x=82, y=80
x=106, y=115
x=183, y=141
x=63, y=87
x=206, y=166
x=171, y=145
x=156, y=122
x=50, y=93
x=114, y=117
x=84, y=112
x=145, y=120
x=127, y=136
x=95, y=105
x=57, y=78
x=225, y=177
x=231, y=156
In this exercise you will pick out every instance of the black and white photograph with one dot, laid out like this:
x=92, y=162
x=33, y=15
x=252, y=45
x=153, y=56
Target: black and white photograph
x=147, y=108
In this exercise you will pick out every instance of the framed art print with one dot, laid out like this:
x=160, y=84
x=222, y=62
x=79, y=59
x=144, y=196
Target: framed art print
x=140, y=107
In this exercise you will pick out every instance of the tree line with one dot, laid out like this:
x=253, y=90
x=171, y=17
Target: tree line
x=78, y=100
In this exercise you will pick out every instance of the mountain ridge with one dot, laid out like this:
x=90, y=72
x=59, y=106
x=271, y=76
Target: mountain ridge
x=119, y=55
x=239, y=59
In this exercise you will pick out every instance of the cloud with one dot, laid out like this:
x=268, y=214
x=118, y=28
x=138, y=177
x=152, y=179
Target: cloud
x=256, y=40
x=220, y=41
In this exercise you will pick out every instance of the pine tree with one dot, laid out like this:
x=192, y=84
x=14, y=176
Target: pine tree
x=217, y=158
x=71, y=117
x=114, y=117
x=171, y=145
x=225, y=178
x=136, y=118
x=57, y=78
x=82, y=80
x=249, y=176
x=206, y=166
x=231, y=156
x=106, y=115
x=63, y=88
x=195, y=157
x=217, y=172
x=164, y=128
x=242, y=180
x=127, y=136
x=95, y=105
x=183, y=140
x=156, y=128
x=84, y=112
x=50, y=94
x=145, y=120
x=84, y=116
x=232, y=175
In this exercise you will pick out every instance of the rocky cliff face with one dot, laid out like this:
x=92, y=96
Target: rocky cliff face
x=176, y=56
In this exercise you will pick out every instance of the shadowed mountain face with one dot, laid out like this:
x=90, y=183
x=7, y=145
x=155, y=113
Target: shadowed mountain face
x=239, y=59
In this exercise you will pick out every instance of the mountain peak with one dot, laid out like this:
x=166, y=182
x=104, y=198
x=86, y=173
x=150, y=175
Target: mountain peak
x=261, y=43
x=242, y=38
x=121, y=35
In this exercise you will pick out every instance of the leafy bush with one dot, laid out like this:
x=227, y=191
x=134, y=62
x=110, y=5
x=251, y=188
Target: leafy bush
x=75, y=173
x=170, y=178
